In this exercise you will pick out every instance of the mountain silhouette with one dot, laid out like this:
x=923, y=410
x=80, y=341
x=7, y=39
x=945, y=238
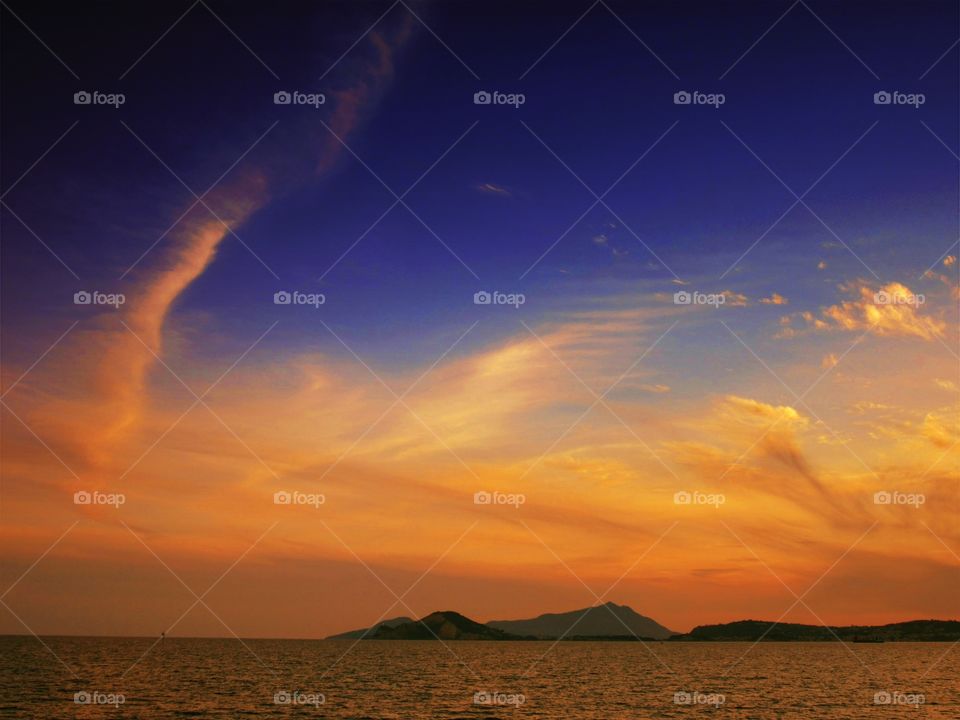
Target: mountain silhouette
x=619, y=622
x=444, y=625
x=754, y=630
x=363, y=632
x=607, y=620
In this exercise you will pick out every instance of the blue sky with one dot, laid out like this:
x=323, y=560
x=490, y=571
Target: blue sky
x=799, y=99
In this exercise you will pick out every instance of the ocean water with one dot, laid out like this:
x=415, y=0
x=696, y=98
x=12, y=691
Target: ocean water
x=213, y=678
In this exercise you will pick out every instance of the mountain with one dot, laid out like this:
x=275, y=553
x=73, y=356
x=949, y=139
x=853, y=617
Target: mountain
x=363, y=632
x=753, y=630
x=445, y=625
x=600, y=621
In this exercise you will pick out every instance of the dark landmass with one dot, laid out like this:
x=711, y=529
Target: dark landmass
x=445, y=625
x=363, y=632
x=599, y=624
x=601, y=621
x=608, y=638
x=754, y=630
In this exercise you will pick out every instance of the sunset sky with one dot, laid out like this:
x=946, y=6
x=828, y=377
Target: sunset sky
x=597, y=399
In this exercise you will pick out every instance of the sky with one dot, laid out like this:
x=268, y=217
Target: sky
x=701, y=461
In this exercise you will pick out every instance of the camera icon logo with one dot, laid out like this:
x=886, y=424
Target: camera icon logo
x=482, y=97
x=682, y=97
x=882, y=498
x=82, y=98
x=82, y=497
x=882, y=98
x=682, y=497
x=82, y=297
x=482, y=298
x=882, y=297
x=282, y=97
x=282, y=297
x=282, y=497
x=682, y=297
x=482, y=497
x=282, y=697
x=82, y=697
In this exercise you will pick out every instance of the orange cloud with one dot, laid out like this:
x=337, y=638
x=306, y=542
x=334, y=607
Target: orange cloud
x=735, y=299
x=775, y=299
x=891, y=310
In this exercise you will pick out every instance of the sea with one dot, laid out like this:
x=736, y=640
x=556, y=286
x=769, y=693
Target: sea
x=77, y=677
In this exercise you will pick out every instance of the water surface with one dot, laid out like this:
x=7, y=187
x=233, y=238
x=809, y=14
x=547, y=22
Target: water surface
x=212, y=678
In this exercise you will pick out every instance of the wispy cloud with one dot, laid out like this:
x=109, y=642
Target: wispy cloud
x=774, y=299
x=490, y=188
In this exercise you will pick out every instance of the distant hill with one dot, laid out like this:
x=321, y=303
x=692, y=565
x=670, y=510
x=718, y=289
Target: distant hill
x=599, y=624
x=445, y=625
x=754, y=630
x=601, y=621
x=362, y=632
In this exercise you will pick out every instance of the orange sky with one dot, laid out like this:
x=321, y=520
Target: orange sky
x=798, y=477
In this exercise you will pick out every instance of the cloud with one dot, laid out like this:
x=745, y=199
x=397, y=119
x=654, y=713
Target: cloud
x=735, y=299
x=101, y=374
x=949, y=260
x=942, y=429
x=366, y=78
x=945, y=280
x=755, y=411
x=656, y=388
x=829, y=360
x=493, y=189
x=774, y=299
x=758, y=447
x=822, y=265
x=891, y=310
x=946, y=384
x=603, y=241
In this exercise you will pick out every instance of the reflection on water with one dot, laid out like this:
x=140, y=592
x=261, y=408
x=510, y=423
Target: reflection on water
x=125, y=678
